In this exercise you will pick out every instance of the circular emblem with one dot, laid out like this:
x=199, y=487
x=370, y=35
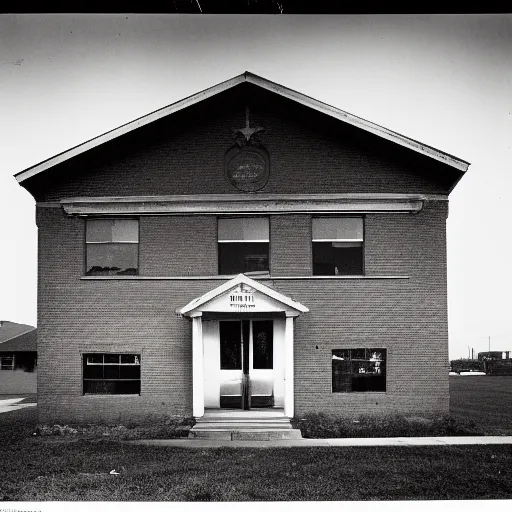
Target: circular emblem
x=247, y=167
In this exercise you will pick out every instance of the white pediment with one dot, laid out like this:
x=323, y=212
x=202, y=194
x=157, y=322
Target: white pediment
x=243, y=295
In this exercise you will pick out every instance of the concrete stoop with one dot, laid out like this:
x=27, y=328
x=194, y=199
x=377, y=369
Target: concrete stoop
x=242, y=429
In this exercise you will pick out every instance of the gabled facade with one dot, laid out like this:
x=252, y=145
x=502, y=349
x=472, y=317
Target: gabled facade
x=248, y=247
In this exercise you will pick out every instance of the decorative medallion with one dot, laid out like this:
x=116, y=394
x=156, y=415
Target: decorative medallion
x=247, y=162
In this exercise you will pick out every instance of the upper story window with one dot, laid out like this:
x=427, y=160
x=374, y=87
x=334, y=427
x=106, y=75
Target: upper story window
x=338, y=246
x=112, y=247
x=243, y=245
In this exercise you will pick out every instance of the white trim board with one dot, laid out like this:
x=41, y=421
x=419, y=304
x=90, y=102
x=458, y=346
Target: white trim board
x=254, y=204
x=248, y=77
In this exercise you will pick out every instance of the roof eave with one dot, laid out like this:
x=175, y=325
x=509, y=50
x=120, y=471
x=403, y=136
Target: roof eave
x=285, y=92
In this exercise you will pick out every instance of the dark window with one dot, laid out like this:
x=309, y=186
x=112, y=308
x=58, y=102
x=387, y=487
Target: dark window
x=263, y=345
x=338, y=246
x=7, y=362
x=230, y=346
x=111, y=374
x=243, y=245
x=359, y=370
x=112, y=247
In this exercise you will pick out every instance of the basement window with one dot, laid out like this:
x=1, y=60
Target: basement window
x=243, y=244
x=111, y=374
x=112, y=247
x=338, y=246
x=356, y=370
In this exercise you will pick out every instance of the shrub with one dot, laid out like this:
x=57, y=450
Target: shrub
x=170, y=428
x=321, y=425
x=458, y=365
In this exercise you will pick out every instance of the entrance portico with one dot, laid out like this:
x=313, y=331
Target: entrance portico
x=242, y=347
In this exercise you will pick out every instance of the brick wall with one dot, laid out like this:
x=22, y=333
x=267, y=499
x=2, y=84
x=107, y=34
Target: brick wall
x=178, y=246
x=406, y=316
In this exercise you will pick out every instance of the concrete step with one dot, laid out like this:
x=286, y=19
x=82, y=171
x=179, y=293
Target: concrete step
x=217, y=419
x=243, y=434
x=242, y=420
x=238, y=426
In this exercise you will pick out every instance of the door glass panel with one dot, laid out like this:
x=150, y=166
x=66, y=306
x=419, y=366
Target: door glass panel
x=230, y=346
x=263, y=345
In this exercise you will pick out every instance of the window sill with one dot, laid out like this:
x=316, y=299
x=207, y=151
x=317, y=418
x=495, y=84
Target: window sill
x=227, y=277
x=358, y=392
x=110, y=396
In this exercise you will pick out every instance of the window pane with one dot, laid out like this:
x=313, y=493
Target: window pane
x=125, y=230
x=230, y=346
x=111, y=371
x=263, y=346
x=359, y=370
x=112, y=259
x=129, y=372
x=99, y=230
x=101, y=387
x=112, y=230
x=341, y=375
x=129, y=359
x=247, y=228
x=111, y=358
x=94, y=358
x=93, y=371
x=338, y=228
x=337, y=259
x=236, y=258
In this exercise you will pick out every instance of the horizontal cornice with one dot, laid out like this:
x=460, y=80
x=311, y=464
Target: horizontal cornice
x=225, y=204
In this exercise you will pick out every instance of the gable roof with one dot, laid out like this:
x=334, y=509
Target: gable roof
x=17, y=337
x=247, y=77
x=229, y=285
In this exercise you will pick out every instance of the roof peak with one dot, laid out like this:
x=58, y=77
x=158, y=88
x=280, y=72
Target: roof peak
x=247, y=77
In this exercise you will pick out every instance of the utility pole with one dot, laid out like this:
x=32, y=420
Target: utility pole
x=489, y=343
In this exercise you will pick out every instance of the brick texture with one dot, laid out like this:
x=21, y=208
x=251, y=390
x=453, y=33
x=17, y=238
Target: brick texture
x=290, y=248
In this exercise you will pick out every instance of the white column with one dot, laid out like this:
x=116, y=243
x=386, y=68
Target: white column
x=288, y=368
x=197, y=367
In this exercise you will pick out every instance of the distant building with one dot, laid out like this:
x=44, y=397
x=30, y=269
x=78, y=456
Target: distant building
x=496, y=362
x=247, y=247
x=18, y=358
x=495, y=355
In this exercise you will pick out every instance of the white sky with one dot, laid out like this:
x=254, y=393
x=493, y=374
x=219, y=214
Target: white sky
x=444, y=80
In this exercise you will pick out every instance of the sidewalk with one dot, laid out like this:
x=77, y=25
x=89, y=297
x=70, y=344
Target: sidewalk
x=377, y=441
x=12, y=404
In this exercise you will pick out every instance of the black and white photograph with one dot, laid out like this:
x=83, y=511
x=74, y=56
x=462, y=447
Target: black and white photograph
x=255, y=256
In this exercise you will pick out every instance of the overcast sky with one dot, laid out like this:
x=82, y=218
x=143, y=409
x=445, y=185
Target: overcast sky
x=444, y=80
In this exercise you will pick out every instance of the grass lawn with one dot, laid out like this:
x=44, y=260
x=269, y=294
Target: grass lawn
x=485, y=399
x=64, y=468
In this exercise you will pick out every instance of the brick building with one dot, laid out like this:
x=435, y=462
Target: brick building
x=246, y=247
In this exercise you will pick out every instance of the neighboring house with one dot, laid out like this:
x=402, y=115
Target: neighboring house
x=18, y=358
x=247, y=247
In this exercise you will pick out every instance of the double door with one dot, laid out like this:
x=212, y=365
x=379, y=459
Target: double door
x=246, y=363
